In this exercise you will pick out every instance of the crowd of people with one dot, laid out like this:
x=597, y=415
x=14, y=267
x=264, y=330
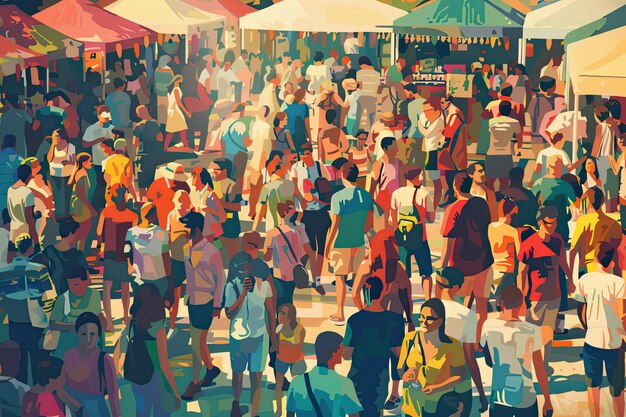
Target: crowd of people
x=341, y=168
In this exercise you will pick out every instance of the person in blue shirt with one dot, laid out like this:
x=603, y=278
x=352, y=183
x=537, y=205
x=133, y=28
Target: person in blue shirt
x=334, y=394
x=9, y=161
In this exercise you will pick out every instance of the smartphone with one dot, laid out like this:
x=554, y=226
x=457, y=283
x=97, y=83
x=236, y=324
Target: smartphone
x=249, y=279
x=244, y=203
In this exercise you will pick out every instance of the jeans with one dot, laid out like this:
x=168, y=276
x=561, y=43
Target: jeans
x=148, y=400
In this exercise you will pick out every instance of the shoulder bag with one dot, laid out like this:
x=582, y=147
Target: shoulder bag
x=309, y=390
x=300, y=274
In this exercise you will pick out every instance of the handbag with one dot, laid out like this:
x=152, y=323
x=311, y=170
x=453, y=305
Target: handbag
x=409, y=231
x=309, y=391
x=300, y=274
x=138, y=366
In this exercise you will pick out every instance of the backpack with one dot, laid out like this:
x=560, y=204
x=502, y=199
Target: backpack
x=138, y=366
x=101, y=377
x=322, y=186
x=409, y=232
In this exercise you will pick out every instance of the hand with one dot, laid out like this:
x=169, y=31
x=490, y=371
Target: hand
x=327, y=253
x=429, y=389
x=217, y=312
x=188, y=114
x=247, y=285
x=410, y=375
x=547, y=408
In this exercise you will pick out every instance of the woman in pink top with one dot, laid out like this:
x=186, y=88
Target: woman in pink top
x=43, y=399
x=90, y=372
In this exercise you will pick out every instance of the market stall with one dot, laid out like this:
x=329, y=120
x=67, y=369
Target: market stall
x=15, y=62
x=233, y=11
x=176, y=22
x=107, y=38
x=63, y=52
x=307, y=24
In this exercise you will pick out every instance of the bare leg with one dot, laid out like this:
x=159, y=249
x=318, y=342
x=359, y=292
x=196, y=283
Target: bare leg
x=237, y=386
x=279, y=394
x=174, y=307
x=183, y=138
x=593, y=396
x=168, y=139
x=427, y=286
x=255, y=394
x=618, y=405
x=395, y=388
x=204, y=350
x=438, y=185
x=340, y=280
x=106, y=303
x=126, y=301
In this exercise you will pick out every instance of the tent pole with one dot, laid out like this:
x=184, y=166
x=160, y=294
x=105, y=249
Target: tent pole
x=24, y=77
x=156, y=51
x=48, y=80
x=241, y=39
x=394, y=48
x=186, y=49
x=521, y=58
x=575, y=128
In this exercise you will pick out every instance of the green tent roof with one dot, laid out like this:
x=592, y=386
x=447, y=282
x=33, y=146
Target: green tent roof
x=461, y=18
x=609, y=22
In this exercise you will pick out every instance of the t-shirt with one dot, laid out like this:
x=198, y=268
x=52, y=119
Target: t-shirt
x=542, y=158
x=461, y=322
x=511, y=345
x=317, y=74
x=591, y=230
x=503, y=238
x=251, y=315
x=603, y=293
x=432, y=132
x=502, y=130
x=118, y=169
x=233, y=132
x=51, y=118
x=44, y=404
x=296, y=116
x=261, y=143
x=224, y=81
x=302, y=173
x=276, y=191
x=18, y=200
x=352, y=205
x=402, y=201
x=547, y=189
x=96, y=131
x=542, y=259
x=116, y=225
x=147, y=132
x=119, y=103
x=149, y=245
x=467, y=222
x=370, y=80
x=334, y=393
x=283, y=260
x=352, y=101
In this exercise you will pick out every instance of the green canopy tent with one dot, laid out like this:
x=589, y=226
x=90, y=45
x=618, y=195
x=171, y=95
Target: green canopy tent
x=613, y=20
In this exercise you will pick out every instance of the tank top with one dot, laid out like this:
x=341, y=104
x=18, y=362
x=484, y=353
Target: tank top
x=360, y=159
x=289, y=352
x=57, y=169
x=389, y=179
x=606, y=143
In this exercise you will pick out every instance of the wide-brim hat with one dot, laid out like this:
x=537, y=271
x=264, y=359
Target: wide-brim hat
x=170, y=171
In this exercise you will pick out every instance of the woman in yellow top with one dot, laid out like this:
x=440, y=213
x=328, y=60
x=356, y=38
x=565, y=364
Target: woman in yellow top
x=290, y=353
x=435, y=365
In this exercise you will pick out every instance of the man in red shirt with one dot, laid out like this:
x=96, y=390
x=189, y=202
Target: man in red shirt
x=542, y=256
x=162, y=190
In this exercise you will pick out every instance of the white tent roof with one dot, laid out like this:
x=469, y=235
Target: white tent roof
x=324, y=16
x=166, y=16
x=596, y=64
x=556, y=20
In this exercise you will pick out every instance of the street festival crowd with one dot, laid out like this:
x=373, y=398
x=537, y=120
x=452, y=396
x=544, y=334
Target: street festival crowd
x=335, y=183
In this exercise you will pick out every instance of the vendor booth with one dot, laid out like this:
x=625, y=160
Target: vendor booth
x=107, y=38
x=15, y=63
x=352, y=26
x=176, y=22
x=233, y=11
x=64, y=53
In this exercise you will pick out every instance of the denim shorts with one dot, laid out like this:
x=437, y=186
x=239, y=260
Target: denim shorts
x=297, y=368
x=250, y=353
x=613, y=359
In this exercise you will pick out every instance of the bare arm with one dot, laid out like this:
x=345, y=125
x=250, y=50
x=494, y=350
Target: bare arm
x=472, y=364
x=164, y=361
x=596, y=141
x=261, y=210
x=332, y=233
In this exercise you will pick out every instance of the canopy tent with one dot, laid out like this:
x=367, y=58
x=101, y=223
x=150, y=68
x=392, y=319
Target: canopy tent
x=324, y=16
x=14, y=58
x=481, y=18
x=167, y=16
x=232, y=10
x=608, y=21
x=556, y=20
x=29, y=33
x=98, y=29
x=597, y=64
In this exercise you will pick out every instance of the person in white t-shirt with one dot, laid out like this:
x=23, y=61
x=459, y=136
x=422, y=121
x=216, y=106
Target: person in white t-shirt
x=317, y=73
x=512, y=348
x=602, y=296
x=21, y=206
x=431, y=125
x=556, y=148
x=461, y=324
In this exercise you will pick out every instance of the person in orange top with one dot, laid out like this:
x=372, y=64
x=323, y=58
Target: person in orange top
x=290, y=354
x=115, y=220
x=118, y=169
x=162, y=190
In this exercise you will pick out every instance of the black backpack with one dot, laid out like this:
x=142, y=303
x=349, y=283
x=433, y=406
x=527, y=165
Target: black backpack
x=138, y=366
x=322, y=186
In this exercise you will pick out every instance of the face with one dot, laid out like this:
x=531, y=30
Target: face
x=548, y=225
x=430, y=111
x=103, y=119
x=88, y=164
x=393, y=149
x=621, y=141
x=77, y=286
x=307, y=155
x=429, y=321
x=590, y=165
x=88, y=336
x=282, y=316
x=215, y=170
x=479, y=175
x=283, y=122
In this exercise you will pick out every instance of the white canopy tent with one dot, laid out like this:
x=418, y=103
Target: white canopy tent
x=597, y=64
x=556, y=20
x=324, y=16
x=167, y=17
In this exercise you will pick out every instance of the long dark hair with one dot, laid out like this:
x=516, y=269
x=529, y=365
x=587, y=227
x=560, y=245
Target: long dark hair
x=437, y=306
x=582, y=173
x=148, y=306
x=81, y=159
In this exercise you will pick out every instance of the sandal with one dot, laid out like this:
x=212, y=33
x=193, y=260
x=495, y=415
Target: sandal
x=336, y=319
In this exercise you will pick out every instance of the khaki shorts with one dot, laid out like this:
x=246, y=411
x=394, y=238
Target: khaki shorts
x=543, y=313
x=479, y=285
x=344, y=261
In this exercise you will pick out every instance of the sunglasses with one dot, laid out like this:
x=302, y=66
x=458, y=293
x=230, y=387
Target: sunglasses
x=429, y=319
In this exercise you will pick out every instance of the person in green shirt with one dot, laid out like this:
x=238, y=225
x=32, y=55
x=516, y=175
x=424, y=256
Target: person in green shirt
x=71, y=304
x=350, y=212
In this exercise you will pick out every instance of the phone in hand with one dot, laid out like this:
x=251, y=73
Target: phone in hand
x=249, y=281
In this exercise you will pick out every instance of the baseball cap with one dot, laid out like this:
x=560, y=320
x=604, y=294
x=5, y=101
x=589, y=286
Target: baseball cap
x=450, y=276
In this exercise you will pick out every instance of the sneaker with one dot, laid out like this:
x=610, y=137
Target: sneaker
x=317, y=286
x=210, y=376
x=392, y=403
x=235, y=410
x=191, y=391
